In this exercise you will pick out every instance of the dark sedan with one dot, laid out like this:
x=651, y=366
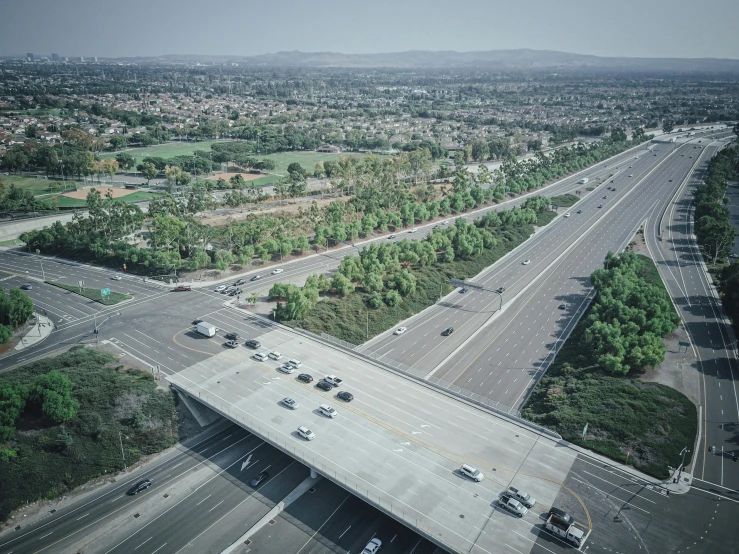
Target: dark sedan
x=323, y=385
x=345, y=396
x=259, y=479
x=305, y=378
x=448, y=331
x=141, y=486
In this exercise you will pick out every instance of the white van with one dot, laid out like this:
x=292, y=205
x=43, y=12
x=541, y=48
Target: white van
x=328, y=411
x=472, y=472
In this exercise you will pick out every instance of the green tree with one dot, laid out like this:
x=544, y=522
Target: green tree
x=343, y=286
x=148, y=170
x=51, y=393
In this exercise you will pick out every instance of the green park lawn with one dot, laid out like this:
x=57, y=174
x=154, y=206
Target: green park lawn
x=36, y=186
x=167, y=150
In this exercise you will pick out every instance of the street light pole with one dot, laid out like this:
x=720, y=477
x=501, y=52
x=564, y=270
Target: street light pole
x=123, y=455
x=682, y=463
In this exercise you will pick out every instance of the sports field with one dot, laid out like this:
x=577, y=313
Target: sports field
x=36, y=186
x=77, y=199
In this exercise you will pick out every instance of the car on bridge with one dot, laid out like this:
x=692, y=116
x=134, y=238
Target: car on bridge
x=274, y=355
x=328, y=411
x=400, y=330
x=345, y=396
x=448, y=331
x=323, y=385
x=305, y=378
x=512, y=505
x=289, y=402
x=260, y=357
x=526, y=262
x=286, y=368
x=306, y=433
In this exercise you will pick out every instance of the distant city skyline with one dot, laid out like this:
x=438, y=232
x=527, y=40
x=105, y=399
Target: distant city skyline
x=130, y=28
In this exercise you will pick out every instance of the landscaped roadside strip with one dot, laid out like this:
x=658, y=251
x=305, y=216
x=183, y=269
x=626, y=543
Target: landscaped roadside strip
x=94, y=294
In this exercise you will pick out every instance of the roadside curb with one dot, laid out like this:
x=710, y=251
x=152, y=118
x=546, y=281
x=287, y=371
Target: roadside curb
x=45, y=327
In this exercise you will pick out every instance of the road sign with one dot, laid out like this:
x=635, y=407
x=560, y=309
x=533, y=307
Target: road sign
x=38, y=251
x=685, y=344
x=104, y=292
x=584, y=431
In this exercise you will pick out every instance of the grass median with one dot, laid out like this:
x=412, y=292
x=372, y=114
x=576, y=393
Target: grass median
x=93, y=294
x=648, y=423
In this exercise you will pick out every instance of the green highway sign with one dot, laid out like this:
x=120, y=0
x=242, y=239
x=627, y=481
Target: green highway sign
x=104, y=292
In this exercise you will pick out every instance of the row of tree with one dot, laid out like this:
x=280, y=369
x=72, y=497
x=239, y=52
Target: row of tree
x=629, y=316
x=386, y=272
x=713, y=230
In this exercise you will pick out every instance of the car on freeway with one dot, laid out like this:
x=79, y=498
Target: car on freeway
x=414, y=230
x=670, y=180
x=523, y=497
x=448, y=331
x=323, y=385
x=116, y=277
x=228, y=290
x=140, y=486
x=605, y=197
x=220, y=288
x=295, y=363
x=445, y=222
x=274, y=355
x=239, y=282
x=512, y=505
x=259, y=479
x=561, y=514
x=196, y=321
x=391, y=236
x=260, y=357
x=631, y=174
x=328, y=411
x=600, y=205
x=286, y=368
x=526, y=262
x=400, y=330
x=563, y=306
x=500, y=290
x=567, y=214
x=289, y=402
x=629, y=168
x=305, y=378
x=253, y=344
x=182, y=288
x=26, y=286
x=690, y=156
x=306, y=433
x=256, y=277
x=277, y=271
x=345, y=396
x=373, y=546
x=234, y=292
x=232, y=336
x=463, y=290
x=579, y=211
x=231, y=344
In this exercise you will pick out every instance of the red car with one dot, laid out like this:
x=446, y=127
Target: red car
x=181, y=288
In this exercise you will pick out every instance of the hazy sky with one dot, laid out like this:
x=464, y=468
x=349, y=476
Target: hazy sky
x=110, y=28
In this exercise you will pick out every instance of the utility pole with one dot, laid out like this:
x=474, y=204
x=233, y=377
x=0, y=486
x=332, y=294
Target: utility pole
x=123, y=455
x=367, y=324
x=682, y=463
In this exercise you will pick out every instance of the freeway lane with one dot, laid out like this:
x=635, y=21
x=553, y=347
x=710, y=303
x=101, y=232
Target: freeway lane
x=713, y=341
x=503, y=360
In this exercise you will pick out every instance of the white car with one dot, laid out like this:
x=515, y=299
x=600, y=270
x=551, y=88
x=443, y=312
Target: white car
x=400, y=330
x=274, y=355
x=526, y=262
x=567, y=214
x=372, y=546
x=290, y=403
x=286, y=368
x=295, y=363
x=260, y=357
x=116, y=277
x=220, y=288
x=414, y=230
x=512, y=505
x=306, y=433
x=328, y=411
x=276, y=271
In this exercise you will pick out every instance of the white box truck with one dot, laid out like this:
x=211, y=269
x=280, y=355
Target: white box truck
x=583, y=181
x=206, y=329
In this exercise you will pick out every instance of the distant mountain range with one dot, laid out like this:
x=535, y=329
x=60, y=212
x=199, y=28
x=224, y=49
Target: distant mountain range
x=500, y=60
